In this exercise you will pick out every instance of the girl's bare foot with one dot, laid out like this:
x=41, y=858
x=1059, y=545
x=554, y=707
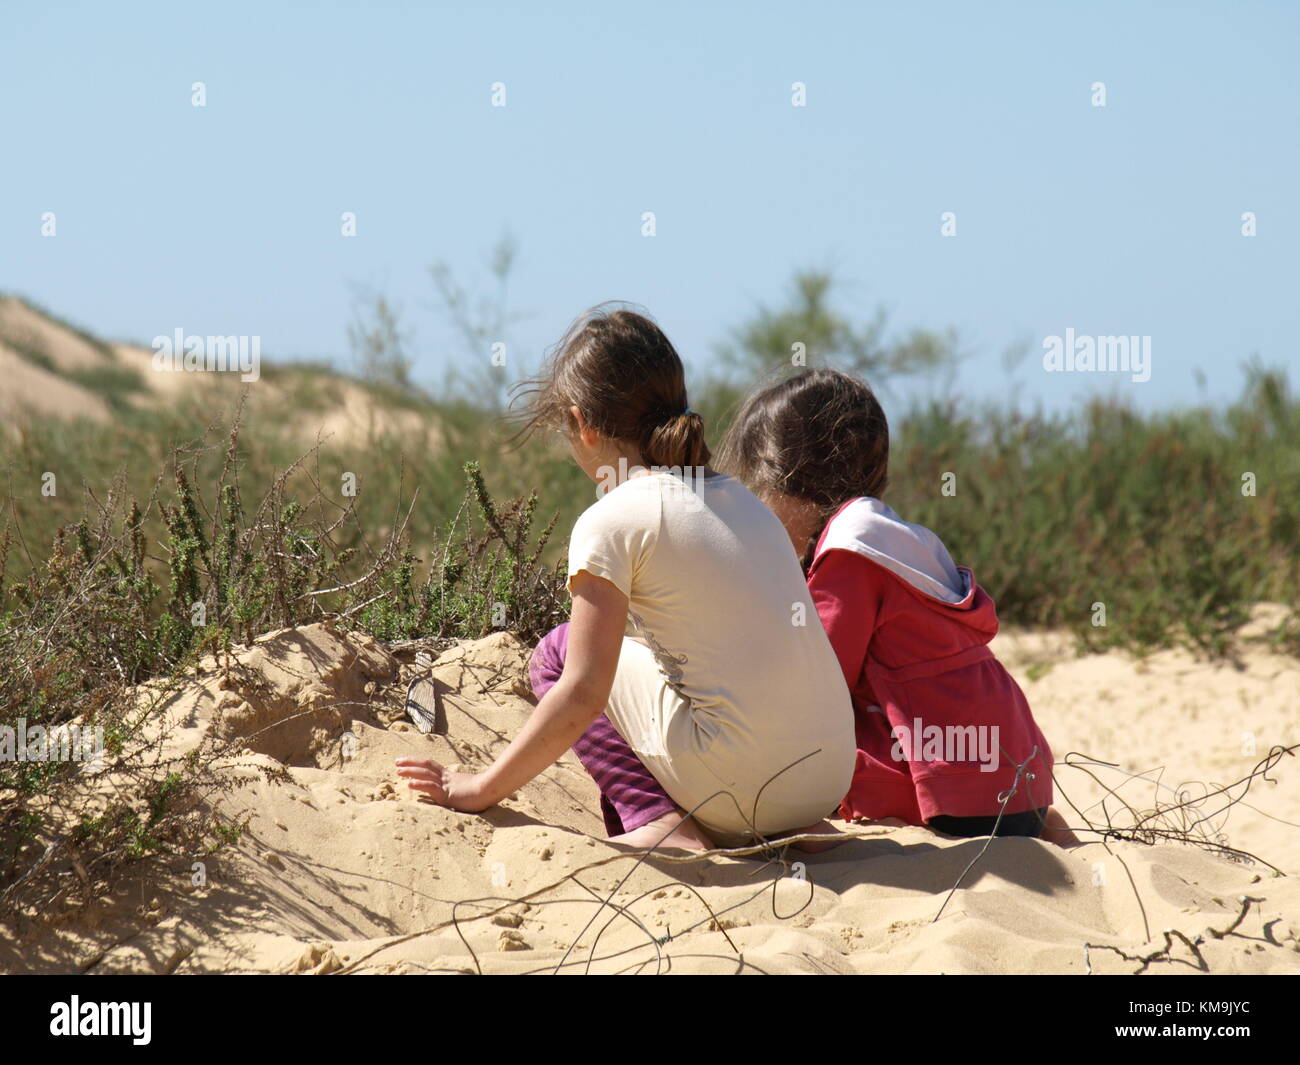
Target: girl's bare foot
x=1055, y=830
x=671, y=830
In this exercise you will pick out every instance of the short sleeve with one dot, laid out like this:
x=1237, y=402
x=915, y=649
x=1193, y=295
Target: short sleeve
x=613, y=536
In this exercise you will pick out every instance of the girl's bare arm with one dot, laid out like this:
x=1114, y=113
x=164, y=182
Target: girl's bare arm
x=563, y=715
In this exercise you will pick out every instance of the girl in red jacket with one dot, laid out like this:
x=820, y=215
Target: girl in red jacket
x=945, y=736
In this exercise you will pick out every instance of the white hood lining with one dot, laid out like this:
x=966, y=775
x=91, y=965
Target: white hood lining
x=870, y=528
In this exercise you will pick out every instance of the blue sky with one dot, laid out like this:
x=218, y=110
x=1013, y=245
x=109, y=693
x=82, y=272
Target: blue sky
x=226, y=219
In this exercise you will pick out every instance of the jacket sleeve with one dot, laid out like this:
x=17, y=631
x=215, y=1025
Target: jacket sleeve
x=847, y=591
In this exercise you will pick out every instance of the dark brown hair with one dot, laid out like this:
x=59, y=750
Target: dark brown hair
x=620, y=370
x=819, y=436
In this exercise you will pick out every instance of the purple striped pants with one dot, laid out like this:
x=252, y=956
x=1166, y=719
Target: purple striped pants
x=630, y=796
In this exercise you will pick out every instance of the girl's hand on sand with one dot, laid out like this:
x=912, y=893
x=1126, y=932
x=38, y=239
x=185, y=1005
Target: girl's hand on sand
x=459, y=791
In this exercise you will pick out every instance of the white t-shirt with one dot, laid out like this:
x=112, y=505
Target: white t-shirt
x=715, y=590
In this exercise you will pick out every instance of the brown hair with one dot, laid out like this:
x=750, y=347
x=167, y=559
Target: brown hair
x=620, y=370
x=820, y=436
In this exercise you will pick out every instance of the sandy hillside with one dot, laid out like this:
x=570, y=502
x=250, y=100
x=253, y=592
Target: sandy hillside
x=32, y=391
x=341, y=870
x=52, y=370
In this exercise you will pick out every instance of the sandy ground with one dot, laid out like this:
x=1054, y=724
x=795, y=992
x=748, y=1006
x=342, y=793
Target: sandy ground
x=341, y=870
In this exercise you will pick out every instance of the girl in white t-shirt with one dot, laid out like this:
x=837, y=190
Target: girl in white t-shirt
x=692, y=635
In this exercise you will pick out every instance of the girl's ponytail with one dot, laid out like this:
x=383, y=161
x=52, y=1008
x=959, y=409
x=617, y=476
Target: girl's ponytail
x=676, y=442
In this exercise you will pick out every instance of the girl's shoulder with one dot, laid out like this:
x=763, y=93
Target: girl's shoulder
x=859, y=521
x=614, y=498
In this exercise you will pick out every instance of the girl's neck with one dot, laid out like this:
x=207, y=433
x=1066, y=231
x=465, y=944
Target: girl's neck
x=803, y=521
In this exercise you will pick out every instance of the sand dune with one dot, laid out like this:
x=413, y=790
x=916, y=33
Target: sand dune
x=341, y=870
x=48, y=369
x=63, y=347
x=33, y=391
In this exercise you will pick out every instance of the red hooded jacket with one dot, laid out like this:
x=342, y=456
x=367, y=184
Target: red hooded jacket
x=941, y=725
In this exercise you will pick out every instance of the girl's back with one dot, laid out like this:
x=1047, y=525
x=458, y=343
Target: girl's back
x=717, y=595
